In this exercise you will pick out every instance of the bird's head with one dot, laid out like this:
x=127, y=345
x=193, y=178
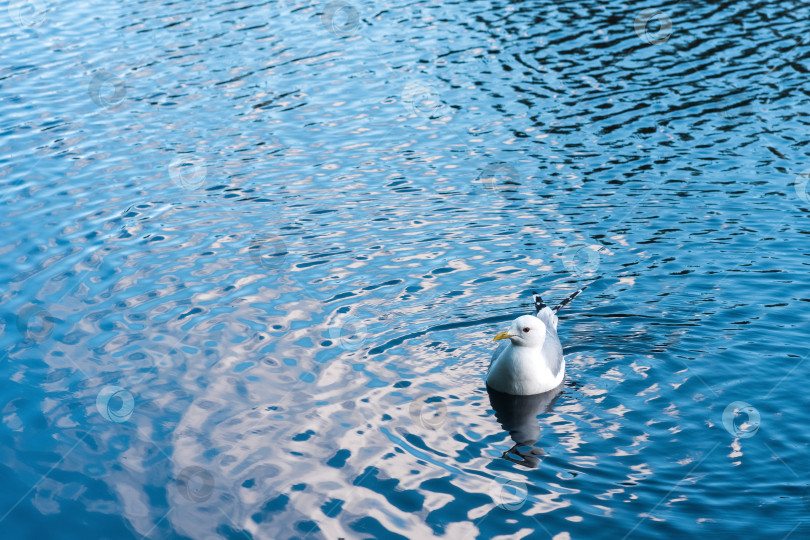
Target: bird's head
x=526, y=331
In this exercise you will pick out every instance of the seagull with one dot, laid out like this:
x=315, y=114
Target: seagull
x=531, y=361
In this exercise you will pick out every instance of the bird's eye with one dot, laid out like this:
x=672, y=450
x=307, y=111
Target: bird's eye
x=526, y=329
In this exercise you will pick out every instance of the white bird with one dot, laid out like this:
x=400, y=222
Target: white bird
x=531, y=362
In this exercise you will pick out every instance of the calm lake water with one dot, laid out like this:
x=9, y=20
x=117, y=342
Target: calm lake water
x=254, y=255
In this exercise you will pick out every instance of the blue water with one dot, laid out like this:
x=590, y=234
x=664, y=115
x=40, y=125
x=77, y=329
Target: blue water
x=254, y=255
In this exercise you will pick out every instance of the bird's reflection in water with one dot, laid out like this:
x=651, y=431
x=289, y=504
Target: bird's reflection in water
x=518, y=416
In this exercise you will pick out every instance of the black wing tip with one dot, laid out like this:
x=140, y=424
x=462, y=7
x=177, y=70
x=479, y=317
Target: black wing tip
x=538, y=302
x=570, y=297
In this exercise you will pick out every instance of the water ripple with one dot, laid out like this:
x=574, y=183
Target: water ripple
x=255, y=254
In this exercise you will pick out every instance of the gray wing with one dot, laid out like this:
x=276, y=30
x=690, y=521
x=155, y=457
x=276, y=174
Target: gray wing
x=552, y=349
x=548, y=317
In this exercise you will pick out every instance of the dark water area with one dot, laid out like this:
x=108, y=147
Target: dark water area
x=254, y=255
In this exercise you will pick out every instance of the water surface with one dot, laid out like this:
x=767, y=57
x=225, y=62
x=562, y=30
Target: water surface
x=254, y=255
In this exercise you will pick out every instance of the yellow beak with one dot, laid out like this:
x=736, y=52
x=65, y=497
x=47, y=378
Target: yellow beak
x=502, y=335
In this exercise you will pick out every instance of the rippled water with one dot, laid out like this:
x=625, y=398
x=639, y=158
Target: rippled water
x=254, y=256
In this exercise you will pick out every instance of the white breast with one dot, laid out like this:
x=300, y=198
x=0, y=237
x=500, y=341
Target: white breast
x=523, y=371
